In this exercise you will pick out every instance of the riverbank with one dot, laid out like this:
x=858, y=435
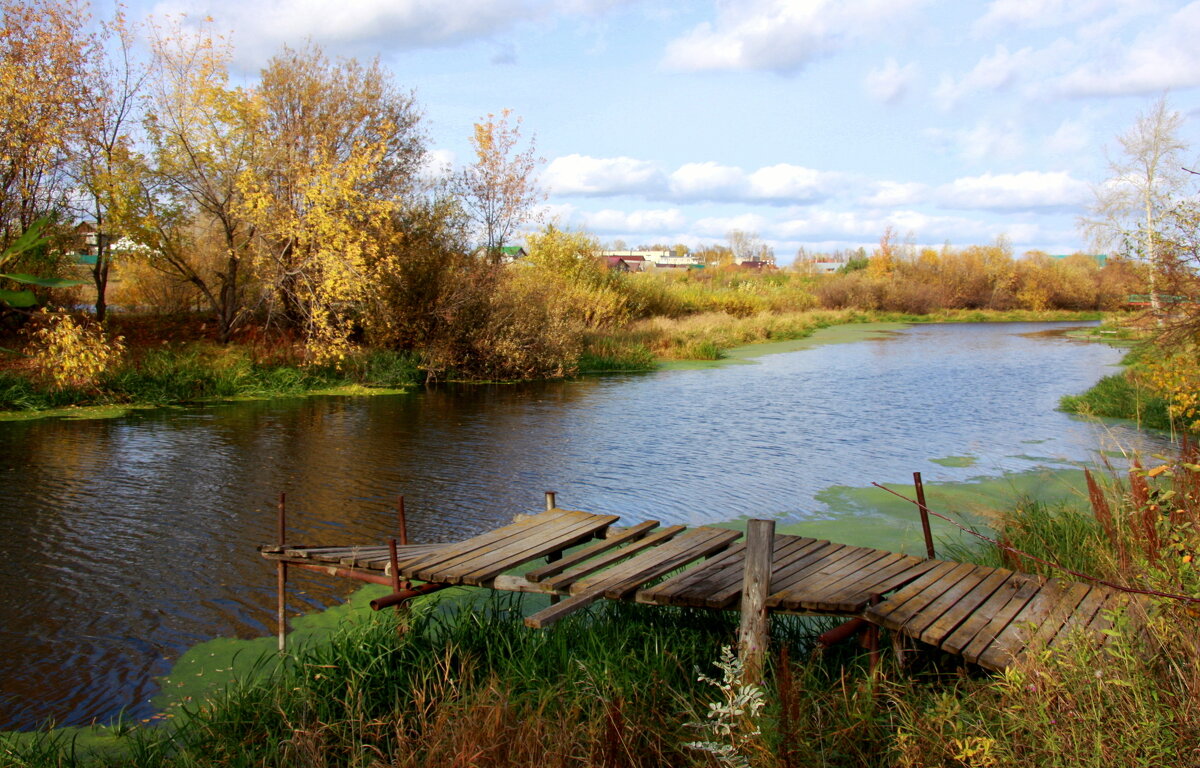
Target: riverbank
x=186, y=368
x=467, y=683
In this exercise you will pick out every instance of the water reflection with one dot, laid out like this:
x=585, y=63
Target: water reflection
x=128, y=540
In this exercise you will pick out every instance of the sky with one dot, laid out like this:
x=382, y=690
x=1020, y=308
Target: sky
x=814, y=123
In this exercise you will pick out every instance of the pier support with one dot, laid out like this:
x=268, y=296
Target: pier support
x=281, y=578
x=756, y=586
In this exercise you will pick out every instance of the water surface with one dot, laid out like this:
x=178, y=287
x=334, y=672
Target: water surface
x=126, y=541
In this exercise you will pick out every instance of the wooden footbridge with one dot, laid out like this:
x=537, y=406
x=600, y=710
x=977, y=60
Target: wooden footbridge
x=989, y=616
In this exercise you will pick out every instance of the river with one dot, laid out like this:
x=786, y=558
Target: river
x=127, y=540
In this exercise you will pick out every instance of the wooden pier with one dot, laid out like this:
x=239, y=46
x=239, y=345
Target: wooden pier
x=989, y=616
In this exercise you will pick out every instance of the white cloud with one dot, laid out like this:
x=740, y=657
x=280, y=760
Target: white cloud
x=1160, y=57
x=889, y=194
x=437, y=163
x=1040, y=14
x=987, y=141
x=611, y=221
x=889, y=83
x=781, y=35
x=992, y=73
x=786, y=183
x=708, y=181
x=584, y=175
x=1070, y=137
x=1028, y=190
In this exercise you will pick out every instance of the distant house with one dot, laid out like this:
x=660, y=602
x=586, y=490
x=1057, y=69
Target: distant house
x=652, y=259
x=511, y=253
x=628, y=263
x=757, y=265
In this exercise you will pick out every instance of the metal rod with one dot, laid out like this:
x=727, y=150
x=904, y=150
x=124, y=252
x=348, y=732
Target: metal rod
x=550, y=502
x=402, y=520
x=345, y=573
x=396, y=598
x=281, y=578
x=843, y=632
x=924, y=515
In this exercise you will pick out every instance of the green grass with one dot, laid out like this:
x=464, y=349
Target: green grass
x=1119, y=396
x=201, y=373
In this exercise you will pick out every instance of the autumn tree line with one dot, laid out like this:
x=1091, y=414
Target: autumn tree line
x=299, y=204
x=297, y=200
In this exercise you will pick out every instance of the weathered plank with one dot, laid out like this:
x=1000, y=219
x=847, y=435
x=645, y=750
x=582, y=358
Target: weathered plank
x=936, y=631
x=854, y=597
x=494, y=537
x=507, y=558
x=879, y=614
x=813, y=590
x=1004, y=628
x=584, y=569
x=623, y=579
x=722, y=574
x=575, y=558
x=804, y=556
x=918, y=620
x=1033, y=627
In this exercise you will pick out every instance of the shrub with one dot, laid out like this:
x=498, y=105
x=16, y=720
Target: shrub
x=72, y=354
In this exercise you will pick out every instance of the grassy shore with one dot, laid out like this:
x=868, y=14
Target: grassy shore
x=177, y=365
x=465, y=683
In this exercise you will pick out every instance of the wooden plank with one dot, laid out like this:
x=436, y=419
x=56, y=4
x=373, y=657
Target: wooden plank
x=1102, y=622
x=753, y=629
x=724, y=594
x=823, y=581
x=1033, y=632
x=656, y=568
x=936, y=608
x=728, y=580
x=879, y=614
x=922, y=601
x=688, y=547
x=684, y=588
x=990, y=615
x=491, y=538
x=853, y=598
x=1031, y=613
x=722, y=573
x=934, y=632
x=550, y=615
x=506, y=558
x=629, y=534
x=1081, y=616
x=582, y=570
x=518, y=546
x=811, y=559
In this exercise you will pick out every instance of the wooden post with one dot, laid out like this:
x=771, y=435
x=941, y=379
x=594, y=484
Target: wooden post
x=281, y=578
x=553, y=556
x=924, y=510
x=756, y=586
x=402, y=520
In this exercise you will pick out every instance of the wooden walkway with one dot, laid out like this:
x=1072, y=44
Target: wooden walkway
x=989, y=616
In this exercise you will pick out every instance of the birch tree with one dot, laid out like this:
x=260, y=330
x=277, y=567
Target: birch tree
x=1128, y=208
x=499, y=190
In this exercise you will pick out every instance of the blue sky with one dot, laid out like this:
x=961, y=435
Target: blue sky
x=810, y=122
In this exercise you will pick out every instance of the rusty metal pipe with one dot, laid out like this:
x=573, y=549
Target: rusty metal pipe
x=843, y=632
x=924, y=515
x=396, y=598
x=345, y=573
x=402, y=519
x=395, y=564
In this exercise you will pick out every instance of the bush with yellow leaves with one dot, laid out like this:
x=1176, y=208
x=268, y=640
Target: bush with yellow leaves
x=71, y=354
